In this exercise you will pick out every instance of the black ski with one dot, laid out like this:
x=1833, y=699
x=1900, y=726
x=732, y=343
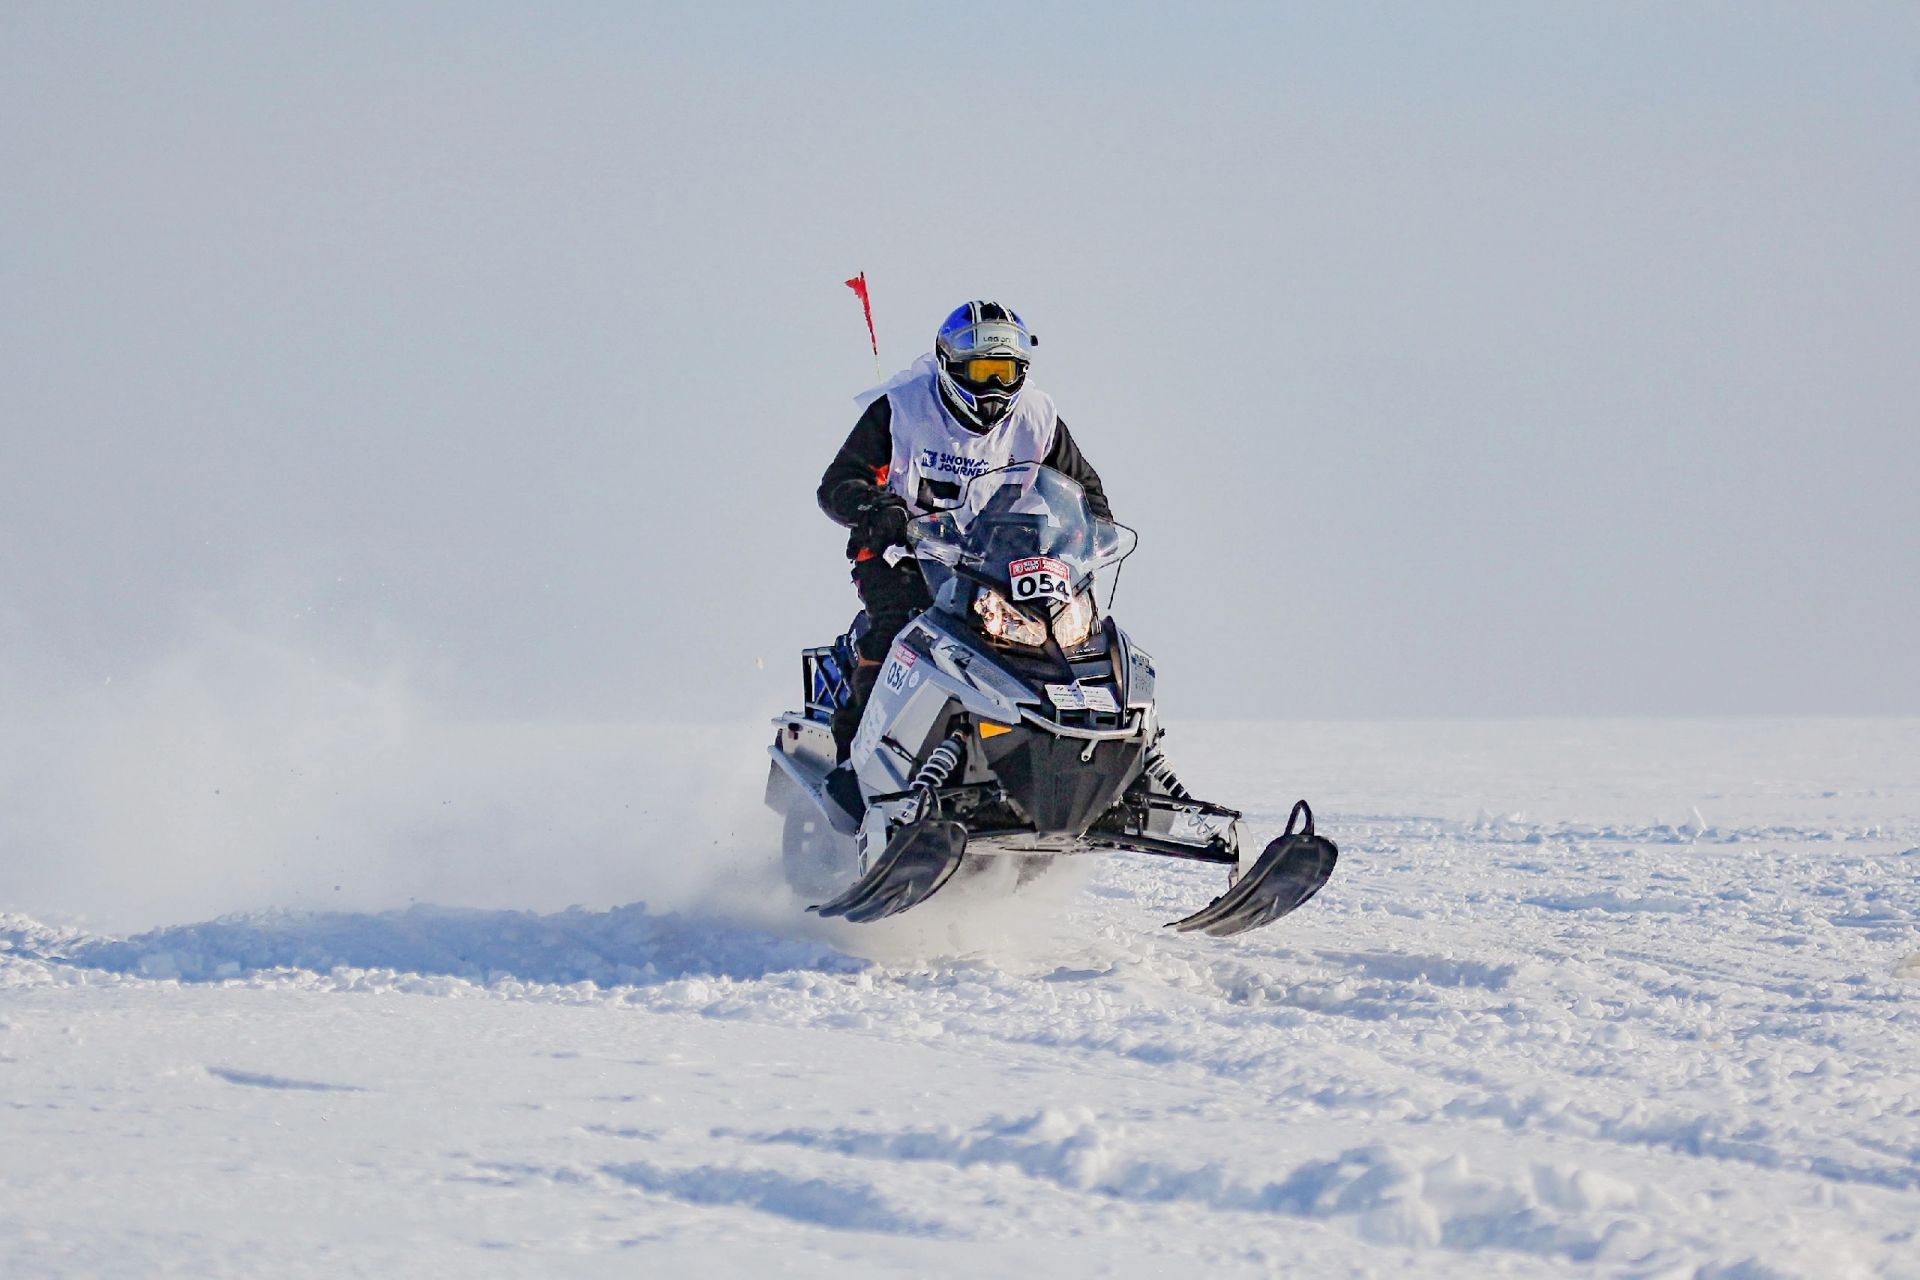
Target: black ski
x=921, y=857
x=1290, y=870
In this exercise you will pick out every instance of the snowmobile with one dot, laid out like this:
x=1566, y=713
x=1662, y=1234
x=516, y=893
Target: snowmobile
x=1012, y=719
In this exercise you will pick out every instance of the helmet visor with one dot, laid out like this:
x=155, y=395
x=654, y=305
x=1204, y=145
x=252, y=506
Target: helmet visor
x=981, y=370
x=988, y=337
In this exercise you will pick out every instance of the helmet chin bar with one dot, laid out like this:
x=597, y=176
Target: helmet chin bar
x=992, y=409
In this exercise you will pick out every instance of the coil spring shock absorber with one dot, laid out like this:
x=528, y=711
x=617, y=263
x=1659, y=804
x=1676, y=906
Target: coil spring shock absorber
x=1161, y=772
x=940, y=765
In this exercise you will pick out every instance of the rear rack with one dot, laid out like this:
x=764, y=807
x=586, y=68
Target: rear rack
x=826, y=675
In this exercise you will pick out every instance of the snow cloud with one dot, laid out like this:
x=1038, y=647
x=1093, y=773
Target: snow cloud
x=240, y=771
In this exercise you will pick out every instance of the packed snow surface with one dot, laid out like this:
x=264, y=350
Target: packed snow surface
x=1583, y=998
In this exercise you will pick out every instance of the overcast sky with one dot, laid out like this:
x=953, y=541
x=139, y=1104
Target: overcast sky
x=1450, y=360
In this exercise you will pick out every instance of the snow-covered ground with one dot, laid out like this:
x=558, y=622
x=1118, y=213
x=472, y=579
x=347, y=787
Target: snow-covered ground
x=1610, y=997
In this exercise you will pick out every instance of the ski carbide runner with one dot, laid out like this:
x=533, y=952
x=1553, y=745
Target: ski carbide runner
x=1290, y=870
x=921, y=857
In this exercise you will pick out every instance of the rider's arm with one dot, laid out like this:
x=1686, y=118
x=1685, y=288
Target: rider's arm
x=1065, y=457
x=854, y=477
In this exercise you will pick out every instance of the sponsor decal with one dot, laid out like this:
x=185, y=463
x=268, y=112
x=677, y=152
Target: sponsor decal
x=1082, y=697
x=953, y=464
x=871, y=730
x=899, y=664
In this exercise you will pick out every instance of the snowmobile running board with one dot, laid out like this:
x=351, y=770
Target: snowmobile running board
x=1291, y=870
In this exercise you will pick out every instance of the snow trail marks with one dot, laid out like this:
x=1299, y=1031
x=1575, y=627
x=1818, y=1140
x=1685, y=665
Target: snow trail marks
x=825, y=1202
x=1619, y=1044
x=625, y=947
x=1390, y=1196
x=261, y=1080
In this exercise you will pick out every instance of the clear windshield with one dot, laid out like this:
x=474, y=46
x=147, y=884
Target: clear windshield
x=1016, y=528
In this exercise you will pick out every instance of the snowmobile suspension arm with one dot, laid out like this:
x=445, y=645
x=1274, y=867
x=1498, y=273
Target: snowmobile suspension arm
x=1215, y=852
x=1187, y=804
x=945, y=795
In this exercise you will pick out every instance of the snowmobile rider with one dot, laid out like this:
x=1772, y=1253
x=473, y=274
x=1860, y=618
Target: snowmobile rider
x=966, y=409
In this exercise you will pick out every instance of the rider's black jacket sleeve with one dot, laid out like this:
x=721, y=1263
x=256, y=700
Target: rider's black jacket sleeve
x=854, y=476
x=1065, y=457
x=855, y=472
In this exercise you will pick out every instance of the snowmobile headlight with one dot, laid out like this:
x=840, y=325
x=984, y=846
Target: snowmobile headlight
x=1073, y=624
x=1002, y=621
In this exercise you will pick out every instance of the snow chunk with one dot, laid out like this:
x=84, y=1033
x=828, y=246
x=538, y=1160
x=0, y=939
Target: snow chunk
x=1581, y=1190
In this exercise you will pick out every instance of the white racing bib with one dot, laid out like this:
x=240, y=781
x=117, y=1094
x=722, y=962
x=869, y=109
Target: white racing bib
x=934, y=456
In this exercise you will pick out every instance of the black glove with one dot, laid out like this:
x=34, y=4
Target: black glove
x=882, y=523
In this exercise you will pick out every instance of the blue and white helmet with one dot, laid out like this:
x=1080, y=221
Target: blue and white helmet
x=982, y=353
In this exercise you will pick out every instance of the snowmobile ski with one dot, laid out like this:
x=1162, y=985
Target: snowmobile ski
x=1290, y=870
x=921, y=857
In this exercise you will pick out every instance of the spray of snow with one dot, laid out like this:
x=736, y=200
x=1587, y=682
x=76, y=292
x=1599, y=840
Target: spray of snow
x=243, y=772
x=992, y=912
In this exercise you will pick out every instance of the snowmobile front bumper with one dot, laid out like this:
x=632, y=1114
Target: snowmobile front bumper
x=1062, y=785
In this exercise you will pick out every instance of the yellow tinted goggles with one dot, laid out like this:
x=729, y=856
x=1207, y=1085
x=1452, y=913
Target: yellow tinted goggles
x=984, y=369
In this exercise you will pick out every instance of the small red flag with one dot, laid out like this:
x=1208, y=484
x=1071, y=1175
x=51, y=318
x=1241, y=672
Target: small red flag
x=859, y=285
